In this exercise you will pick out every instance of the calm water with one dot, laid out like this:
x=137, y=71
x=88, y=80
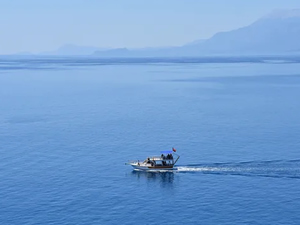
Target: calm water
x=69, y=125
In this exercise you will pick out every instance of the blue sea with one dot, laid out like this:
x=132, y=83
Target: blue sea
x=69, y=125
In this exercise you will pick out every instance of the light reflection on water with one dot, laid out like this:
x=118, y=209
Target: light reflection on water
x=166, y=177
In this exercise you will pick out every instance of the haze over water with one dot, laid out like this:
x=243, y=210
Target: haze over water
x=68, y=125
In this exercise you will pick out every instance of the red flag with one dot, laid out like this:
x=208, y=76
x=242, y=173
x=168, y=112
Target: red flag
x=174, y=150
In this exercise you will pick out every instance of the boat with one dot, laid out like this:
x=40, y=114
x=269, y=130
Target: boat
x=166, y=161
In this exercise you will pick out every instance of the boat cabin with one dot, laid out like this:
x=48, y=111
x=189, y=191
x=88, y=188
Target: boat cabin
x=165, y=160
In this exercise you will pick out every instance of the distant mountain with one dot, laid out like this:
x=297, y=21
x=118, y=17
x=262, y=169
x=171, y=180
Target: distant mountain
x=70, y=49
x=24, y=54
x=193, y=43
x=276, y=33
x=140, y=52
x=117, y=52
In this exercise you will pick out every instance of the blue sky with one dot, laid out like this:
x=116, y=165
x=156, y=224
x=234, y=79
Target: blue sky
x=40, y=25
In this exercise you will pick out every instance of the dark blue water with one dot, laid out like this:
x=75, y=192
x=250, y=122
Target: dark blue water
x=67, y=126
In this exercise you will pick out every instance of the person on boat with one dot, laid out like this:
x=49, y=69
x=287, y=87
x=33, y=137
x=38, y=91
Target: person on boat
x=162, y=156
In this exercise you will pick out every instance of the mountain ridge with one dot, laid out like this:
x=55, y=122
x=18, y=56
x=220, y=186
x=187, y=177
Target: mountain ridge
x=274, y=33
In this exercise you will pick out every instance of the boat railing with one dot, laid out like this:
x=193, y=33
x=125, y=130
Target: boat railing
x=155, y=158
x=160, y=158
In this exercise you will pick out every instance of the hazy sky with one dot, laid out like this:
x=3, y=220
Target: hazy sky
x=42, y=25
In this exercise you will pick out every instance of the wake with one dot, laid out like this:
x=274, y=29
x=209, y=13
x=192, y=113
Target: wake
x=274, y=168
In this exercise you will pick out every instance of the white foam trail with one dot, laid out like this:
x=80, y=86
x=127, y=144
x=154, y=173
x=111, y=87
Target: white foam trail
x=205, y=169
x=192, y=169
x=276, y=168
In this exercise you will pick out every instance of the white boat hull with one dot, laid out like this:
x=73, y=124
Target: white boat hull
x=137, y=167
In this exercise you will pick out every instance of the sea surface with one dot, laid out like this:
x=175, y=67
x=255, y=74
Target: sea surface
x=69, y=125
